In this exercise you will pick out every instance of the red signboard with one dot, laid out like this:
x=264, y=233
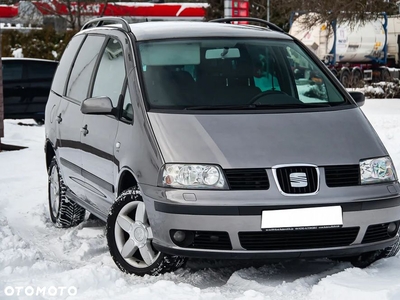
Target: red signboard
x=240, y=8
x=8, y=11
x=120, y=9
x=126, y=9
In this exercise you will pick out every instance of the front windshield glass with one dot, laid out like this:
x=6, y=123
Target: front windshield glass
x=233, y=73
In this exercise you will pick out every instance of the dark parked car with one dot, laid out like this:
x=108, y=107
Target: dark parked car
x=203, y=139
x=26, y=86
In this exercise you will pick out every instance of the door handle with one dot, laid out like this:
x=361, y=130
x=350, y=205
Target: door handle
x=59, y=119
x=84, y=130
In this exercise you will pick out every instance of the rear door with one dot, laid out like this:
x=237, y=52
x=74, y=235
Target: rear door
x=98, y=140
x=69, y=116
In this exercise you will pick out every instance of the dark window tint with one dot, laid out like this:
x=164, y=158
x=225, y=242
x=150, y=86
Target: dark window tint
x=111, y=72
x=60, y=78
x=41, y=70
x=81, y=73
x=12, y=70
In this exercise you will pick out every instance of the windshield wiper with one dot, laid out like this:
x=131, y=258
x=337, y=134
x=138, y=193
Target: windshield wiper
x=218, y=107
x=292, y=105
x=257, y=106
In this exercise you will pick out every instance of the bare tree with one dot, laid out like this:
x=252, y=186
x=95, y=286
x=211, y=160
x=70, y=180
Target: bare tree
x=343, y=11
x=215, y=10
x=279, y=11
x=72, y=13
x=351, y=11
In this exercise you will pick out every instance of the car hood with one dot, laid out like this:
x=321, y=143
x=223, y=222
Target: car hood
x=263, y=140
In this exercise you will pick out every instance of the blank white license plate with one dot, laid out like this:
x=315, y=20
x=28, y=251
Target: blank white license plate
x=313, y=217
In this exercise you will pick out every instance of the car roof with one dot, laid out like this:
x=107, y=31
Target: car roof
x=157, y=30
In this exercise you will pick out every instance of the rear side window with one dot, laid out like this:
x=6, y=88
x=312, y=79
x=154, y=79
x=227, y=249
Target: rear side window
x=12, y=70
x=82, y=70
x=41, y=70
x=60, y=78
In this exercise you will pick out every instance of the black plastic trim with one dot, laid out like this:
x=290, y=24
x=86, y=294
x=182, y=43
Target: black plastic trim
x=93, y=178
x=246, y=254
x=256, y=210
x=70, y=165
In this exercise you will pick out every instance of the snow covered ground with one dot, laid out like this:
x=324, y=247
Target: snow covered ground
x=39, y=261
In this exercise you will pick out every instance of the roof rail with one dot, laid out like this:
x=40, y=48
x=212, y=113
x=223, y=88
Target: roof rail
x=270, y=25
x=97, y=22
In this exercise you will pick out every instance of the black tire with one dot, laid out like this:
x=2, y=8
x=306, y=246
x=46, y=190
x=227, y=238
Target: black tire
x=40, y=122
x=335, y=73
x=345, y=78
x=127, y=205
x=356, y=78
x=63, y=211
x=385, y=75
x=366, y=259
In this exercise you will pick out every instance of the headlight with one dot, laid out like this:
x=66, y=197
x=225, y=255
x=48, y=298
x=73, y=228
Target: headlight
x=193, y=177
x=377, y=170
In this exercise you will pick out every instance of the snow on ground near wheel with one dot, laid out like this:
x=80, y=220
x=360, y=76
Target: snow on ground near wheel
x=34, y=255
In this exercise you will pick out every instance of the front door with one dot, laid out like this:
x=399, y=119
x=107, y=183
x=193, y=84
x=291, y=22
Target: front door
x=99, y=131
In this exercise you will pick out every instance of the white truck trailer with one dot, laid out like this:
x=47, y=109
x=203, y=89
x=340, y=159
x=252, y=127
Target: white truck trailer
x=368, y=51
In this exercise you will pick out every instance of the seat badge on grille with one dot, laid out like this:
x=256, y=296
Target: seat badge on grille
x=298, y=180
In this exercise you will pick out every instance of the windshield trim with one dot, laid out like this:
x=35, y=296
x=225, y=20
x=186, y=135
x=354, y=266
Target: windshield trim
x=266, y=111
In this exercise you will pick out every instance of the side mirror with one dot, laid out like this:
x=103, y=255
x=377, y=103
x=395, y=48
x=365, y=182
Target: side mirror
x=358, y=97
x=97, y=106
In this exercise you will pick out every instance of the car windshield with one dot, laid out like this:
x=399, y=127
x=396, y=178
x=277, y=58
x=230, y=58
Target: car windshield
x=233, y=74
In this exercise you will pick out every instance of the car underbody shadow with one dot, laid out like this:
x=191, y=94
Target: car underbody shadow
x=7, y=147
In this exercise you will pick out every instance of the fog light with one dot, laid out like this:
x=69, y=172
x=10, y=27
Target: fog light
x=179, y=236
x=182, y=238
x=392, y=229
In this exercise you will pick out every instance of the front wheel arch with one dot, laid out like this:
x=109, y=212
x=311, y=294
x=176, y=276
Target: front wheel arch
x=126, y=180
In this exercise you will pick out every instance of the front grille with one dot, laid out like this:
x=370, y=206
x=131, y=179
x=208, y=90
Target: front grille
x=298, y=239
x=218, y=240
x=337, y=176
x=378, y=232
x=247, y=179
x=291, y=183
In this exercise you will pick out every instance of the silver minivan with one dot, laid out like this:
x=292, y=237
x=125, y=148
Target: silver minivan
x=214, y=140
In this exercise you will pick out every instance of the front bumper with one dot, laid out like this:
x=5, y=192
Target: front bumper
x=234, y=231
